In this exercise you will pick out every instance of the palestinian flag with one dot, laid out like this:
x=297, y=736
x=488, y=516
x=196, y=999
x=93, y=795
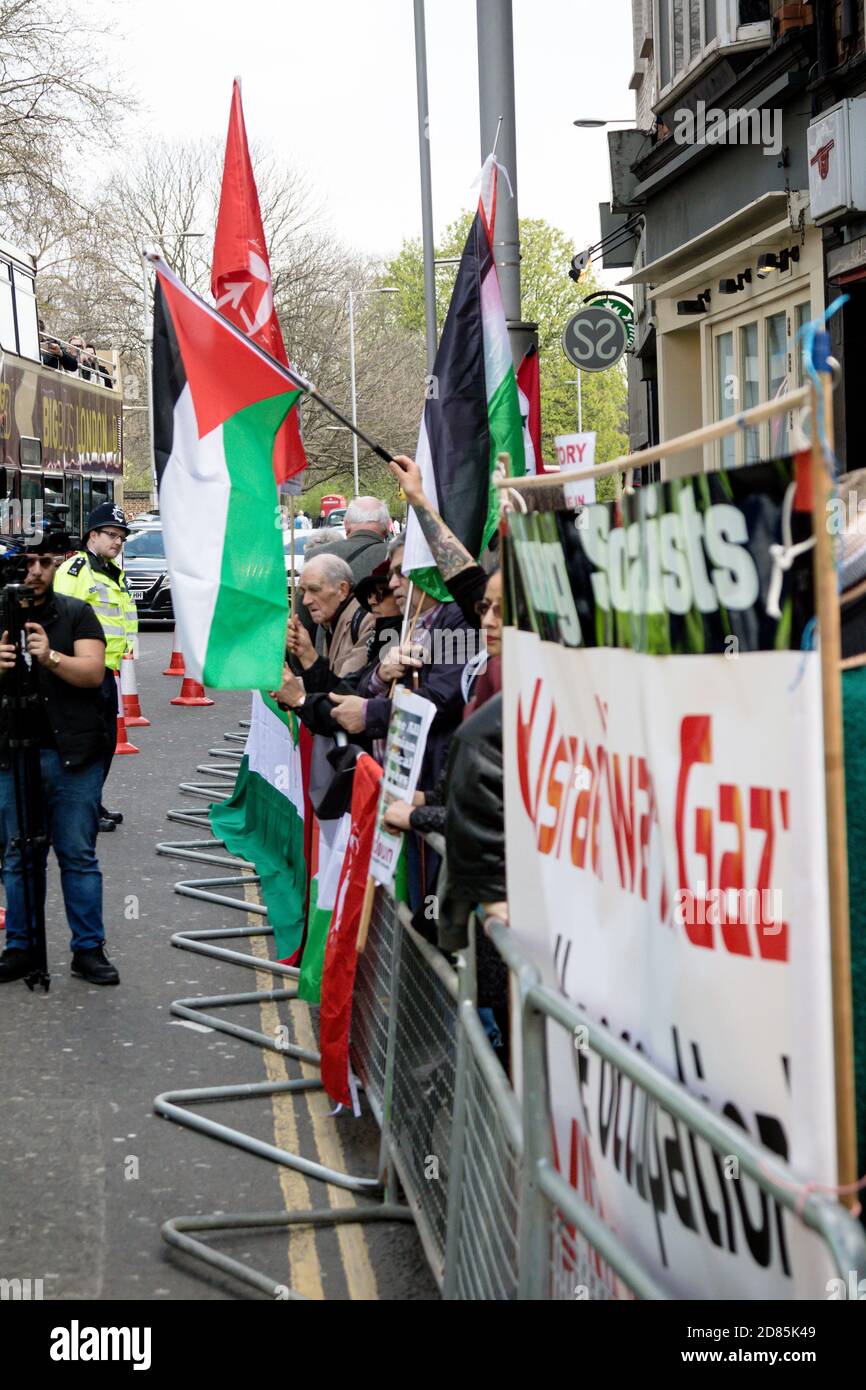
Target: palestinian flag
x=330, y=840
x=263, y=819
x=341, y=947
x=472, y=413
x=218, y=402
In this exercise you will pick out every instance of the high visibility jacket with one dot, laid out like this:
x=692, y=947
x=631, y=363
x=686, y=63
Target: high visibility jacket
x=110, y=598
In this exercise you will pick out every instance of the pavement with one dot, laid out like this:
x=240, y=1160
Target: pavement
x=88, y=1173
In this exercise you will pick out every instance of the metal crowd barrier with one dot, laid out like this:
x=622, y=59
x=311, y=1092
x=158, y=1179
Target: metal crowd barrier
x=496, y=1220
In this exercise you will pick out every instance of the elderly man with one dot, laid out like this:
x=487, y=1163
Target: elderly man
x=326, y=585
x=367, y=524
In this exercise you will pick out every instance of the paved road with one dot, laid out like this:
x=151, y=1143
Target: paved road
x=87, y=1172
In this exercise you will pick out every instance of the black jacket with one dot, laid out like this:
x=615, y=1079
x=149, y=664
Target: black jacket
x=474, y=822
x=74, y=714
x=316, y=711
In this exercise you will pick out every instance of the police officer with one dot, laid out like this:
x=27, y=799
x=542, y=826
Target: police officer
x=93, y=575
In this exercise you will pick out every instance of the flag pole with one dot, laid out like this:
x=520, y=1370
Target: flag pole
x=300, y=383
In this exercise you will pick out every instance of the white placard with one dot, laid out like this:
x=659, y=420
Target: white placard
x=411, y=717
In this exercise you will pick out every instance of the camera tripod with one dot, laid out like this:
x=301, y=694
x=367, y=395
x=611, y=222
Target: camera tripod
x=20, y=700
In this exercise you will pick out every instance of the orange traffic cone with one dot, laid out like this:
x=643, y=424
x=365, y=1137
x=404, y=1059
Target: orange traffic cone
x=176, y=666
x=191, y=693
x=129, y=691
x=123, y=744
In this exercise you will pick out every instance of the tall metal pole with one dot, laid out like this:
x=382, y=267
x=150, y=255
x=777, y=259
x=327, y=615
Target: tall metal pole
x=354, y=393
x=496, y=101
x=579, y=402
x=148, y=365
x=426, y=184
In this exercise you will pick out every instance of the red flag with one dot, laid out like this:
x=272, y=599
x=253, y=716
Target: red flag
x=241, y=274
x=341, y=954
x=529, y=391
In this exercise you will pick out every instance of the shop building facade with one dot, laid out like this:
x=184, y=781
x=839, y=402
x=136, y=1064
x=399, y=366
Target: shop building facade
x=729, y=260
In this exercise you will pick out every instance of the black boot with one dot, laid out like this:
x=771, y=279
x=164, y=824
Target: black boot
x=95, y=967
x=106, y=823
x=14, y=965
x=116, y=816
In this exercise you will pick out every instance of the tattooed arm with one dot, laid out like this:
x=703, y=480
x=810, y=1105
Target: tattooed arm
x=450, y=554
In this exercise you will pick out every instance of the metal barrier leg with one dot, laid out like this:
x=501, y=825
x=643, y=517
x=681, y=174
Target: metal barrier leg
x=176, y=1233
x=465, y=1000
x=174, y=1105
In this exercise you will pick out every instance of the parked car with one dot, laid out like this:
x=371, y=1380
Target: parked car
x=144, y=519
x=147, y=574
x=337, y=517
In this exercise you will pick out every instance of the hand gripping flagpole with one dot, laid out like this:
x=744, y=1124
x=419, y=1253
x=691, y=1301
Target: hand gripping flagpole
x=293, y=378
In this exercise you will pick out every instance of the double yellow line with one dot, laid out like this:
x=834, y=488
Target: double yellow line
x=305, y=1267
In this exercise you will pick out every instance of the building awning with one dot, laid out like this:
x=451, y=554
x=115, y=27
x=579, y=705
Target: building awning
x=758, y=225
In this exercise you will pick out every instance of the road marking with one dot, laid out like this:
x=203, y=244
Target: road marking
x=305, y=1269
x=354, y=1250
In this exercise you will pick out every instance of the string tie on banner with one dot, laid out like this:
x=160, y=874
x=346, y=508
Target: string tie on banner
x=816, y=359
x=806, y=1188
x=784, y=555
x=807, y=644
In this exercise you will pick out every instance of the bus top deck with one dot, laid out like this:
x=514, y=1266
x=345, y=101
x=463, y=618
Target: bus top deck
x=60, y=412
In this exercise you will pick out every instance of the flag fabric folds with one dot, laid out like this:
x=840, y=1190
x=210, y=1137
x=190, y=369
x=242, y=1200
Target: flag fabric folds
x=330, y=838
x=241, y=281
x=218, y=403
x=529, y=394
x=472, y=413
x=263, y=819
x=341, y=946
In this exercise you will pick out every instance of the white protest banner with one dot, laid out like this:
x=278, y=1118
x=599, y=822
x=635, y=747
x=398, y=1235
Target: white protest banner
x=641, y=792
x=411, y=717
x=667, y=861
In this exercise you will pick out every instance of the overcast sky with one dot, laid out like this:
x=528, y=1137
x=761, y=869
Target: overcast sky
x=331, y=86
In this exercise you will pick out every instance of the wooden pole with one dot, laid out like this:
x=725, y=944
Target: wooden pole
x=682, y=445
x=827, y=612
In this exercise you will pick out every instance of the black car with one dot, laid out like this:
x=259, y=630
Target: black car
x=147, y=574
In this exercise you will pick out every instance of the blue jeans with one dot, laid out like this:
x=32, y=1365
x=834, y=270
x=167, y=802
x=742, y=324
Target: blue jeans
x=71, y=797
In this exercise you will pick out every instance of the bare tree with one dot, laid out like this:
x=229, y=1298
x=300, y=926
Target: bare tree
x=52, y=92
x=90, y=281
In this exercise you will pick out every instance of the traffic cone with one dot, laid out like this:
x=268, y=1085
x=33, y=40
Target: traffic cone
x=123, y=744
x=129, y=691
x=176, y=666
x=191, y=693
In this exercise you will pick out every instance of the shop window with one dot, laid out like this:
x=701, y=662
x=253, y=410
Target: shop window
x=763, y=358
x=751, y=395
x=777, y=378
x=726, y=393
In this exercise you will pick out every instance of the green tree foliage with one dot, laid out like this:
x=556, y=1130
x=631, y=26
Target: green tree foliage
x=549, y=298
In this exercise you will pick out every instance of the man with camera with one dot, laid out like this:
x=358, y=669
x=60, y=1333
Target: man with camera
x=94, y=576
x=65, y=658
